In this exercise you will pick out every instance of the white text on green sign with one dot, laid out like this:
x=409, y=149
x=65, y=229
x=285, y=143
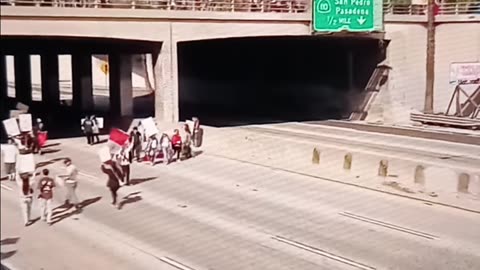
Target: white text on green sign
x=337, y=15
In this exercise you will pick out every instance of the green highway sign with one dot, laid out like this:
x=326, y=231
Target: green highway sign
x=339, y=15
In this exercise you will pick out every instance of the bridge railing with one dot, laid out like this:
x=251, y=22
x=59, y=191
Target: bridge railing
x=391, y=7
x=461, y=7
x=264, y=6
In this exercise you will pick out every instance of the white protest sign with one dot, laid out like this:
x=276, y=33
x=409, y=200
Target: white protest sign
x=150, y=127
x=25, y=121
x=104, y=154
x=26, y=163
x=15, y=113
x=100, y=122
x=190, y=125
x=11, y=127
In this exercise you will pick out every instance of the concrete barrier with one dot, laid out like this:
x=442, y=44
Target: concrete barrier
x=463, y=182
x=474, y=186
x=383, y=168
x=371, y=169
x=347, y=161
x=316, y=156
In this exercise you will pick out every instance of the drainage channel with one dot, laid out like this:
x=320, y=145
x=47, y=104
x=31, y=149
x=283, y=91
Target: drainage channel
x=389, y=225
x=323, y=253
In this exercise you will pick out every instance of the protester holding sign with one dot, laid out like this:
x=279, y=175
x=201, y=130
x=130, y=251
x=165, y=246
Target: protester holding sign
x=114, y=175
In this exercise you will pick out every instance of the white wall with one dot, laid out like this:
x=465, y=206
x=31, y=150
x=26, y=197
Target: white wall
x=456, y=42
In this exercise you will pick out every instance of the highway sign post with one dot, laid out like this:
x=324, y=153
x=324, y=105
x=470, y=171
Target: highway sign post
x=344, y=15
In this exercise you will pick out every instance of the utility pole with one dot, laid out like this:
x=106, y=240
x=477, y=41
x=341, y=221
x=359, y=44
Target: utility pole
x=430, y=67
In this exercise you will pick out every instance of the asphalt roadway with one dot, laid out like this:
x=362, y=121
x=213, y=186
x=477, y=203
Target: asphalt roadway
x=218, y=214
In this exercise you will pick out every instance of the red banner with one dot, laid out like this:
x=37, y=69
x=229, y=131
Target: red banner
x=42, y=138
x=119, y=136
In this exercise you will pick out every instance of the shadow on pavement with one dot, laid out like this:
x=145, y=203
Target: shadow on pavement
x=9, y=241
x=63, y=213
x=7, y=255
x=49, y=162
x=50, y=151
x=50, y=145
x=130, y=198
x=138, y=181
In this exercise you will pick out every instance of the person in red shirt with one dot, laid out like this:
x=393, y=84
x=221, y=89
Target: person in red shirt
x=176, y=143
x=46, y=186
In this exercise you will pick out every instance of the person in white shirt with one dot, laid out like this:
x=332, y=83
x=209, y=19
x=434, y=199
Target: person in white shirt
x=70, y=180
x=10, y=153
x=152, y=147
x=166, y=144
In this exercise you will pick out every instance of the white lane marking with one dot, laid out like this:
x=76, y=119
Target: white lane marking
x=389, y=225
x=175, y=263
x=324, y=253
x=88, y=175
x=6, y=187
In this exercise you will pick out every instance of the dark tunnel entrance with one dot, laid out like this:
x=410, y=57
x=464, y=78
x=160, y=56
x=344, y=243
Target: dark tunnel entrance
x=233, y=82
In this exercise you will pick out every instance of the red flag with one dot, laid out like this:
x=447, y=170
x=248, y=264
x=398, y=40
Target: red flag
x=42, y=138
x=118, y=136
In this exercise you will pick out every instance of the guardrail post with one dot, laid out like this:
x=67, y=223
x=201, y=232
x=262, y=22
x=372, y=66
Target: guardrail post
x=347, y=162
x=419, y=177
x=463, y=183
x=383, y=168
x=316, y=156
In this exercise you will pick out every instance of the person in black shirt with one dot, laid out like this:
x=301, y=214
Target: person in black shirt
x=136, y=140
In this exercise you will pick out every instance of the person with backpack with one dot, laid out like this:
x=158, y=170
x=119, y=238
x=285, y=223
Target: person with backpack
x=46, y=186
x=87, y=127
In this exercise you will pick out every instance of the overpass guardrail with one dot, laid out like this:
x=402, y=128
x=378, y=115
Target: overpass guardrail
x=390, y=7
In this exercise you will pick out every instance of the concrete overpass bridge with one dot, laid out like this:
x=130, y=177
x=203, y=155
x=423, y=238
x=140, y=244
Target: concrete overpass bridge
x=201, y=49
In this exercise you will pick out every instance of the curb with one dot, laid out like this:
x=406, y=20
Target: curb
x=349, y=184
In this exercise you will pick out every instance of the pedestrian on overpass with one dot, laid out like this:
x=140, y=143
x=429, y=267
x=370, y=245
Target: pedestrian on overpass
x=25, y=184
x=114, y=175
x=46, y=186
